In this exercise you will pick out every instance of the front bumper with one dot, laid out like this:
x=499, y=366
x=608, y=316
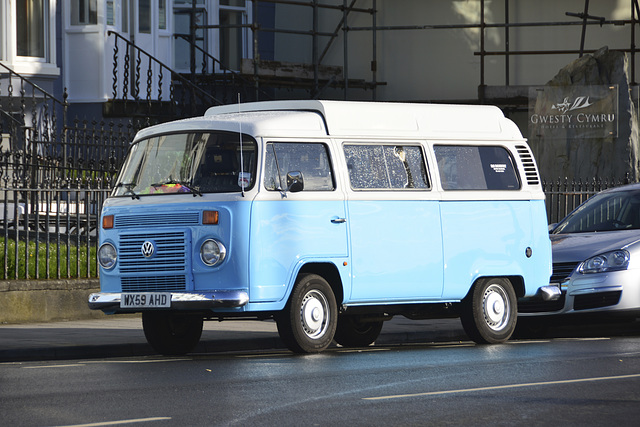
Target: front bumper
x=617, y=291
x=110, y=302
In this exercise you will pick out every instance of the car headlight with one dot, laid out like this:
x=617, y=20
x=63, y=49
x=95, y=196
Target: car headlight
x=212, y=252
x=608, y=261
x=107, y=256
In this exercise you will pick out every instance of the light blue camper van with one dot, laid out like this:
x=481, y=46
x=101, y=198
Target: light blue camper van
x=329, y=217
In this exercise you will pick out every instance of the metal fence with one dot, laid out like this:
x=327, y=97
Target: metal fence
x=50, y=233
x=563, y=195
x=54, y=176
x=51, y=198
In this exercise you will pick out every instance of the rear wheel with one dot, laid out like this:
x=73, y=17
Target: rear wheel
x=172, y=334
x=490, y=312
x=308, y=322
x=352, y=332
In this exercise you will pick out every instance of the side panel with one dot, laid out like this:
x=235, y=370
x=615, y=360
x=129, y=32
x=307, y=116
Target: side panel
x=396, y=250
x=288, y=232
x=490, y=238
x=539, y=271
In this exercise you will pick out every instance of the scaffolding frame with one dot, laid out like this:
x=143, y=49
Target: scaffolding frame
x=348, y=7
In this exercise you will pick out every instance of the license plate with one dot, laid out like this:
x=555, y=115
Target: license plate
x=146, y=300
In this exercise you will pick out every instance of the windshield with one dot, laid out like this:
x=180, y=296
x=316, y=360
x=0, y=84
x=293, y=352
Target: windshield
x=195, y=162
x=619, y=210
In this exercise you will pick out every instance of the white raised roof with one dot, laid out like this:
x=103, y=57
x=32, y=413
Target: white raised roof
x=353, y=118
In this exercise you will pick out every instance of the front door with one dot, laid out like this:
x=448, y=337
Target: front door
x=292, y=228
x=150, y=30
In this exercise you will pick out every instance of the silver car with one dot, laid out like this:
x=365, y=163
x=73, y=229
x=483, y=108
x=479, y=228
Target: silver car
x=596, y=259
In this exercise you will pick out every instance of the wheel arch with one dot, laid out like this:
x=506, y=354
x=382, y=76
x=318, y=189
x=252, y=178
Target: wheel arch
x=329, y=272
x=516, y=281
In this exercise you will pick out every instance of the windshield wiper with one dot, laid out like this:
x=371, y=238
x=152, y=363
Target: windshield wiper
x=170, y=181
x=128, y=187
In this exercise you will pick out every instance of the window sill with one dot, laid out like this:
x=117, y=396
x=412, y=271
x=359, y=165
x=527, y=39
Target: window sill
x=30, y=68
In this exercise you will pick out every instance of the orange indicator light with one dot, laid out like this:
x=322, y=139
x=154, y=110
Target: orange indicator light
x=210, y=217
x=107, y=222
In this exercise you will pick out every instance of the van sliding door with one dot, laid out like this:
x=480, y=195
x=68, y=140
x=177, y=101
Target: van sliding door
x=394, y=223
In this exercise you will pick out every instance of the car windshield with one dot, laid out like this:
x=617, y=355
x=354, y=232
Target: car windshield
x=194, y=162
x=613, y=211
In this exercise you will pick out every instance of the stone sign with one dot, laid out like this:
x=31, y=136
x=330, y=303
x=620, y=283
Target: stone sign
x=583, y=124
x=573, y=112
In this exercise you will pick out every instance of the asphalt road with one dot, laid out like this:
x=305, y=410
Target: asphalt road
x=559, y=381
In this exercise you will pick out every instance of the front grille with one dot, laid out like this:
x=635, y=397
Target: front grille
x=154, y=283
x=158, y=219
x=562, y=270
x=538, y=305
x=165, y=270
x=600, y=299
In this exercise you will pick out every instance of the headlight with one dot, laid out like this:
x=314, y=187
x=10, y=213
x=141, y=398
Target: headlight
x=212, y=252
x=107, y=256
x=609, y=261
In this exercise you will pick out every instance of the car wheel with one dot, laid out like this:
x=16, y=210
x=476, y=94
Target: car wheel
x=308, y=322
x=172, y=334
x=351, y=332
x=490, y=312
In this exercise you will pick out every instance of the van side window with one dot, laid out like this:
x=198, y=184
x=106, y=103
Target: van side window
x=312, y=159
x=375, y=167
x=464, y=167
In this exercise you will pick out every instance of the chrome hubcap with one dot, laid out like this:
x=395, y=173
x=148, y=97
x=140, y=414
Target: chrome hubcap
x=496, y=307
x=314, y=314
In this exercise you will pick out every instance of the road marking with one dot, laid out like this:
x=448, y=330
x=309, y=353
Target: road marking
x=97, y=362
x=453, y=345
x=53, y=366
x=254, y=356
x=361, y=350
x=502, y=387
x=115, y=423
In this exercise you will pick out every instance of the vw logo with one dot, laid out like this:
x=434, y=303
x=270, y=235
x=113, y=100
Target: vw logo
x=148, y=249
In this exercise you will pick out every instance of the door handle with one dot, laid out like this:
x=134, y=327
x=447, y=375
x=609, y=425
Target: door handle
x=339, y=220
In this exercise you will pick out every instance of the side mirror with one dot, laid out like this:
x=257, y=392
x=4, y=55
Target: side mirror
x=295, y=181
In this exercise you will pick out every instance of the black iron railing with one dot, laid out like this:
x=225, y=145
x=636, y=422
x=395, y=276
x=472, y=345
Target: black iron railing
x=564, y=195
x=144, y=86
x=54, y=177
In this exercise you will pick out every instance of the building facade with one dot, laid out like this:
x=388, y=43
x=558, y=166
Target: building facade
x=163, y=59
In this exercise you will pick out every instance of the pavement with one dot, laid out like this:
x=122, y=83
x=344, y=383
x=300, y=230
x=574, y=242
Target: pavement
x=122, y=336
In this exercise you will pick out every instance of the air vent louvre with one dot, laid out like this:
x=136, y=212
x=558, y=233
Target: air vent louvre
x=531, y=173
x=158, y=219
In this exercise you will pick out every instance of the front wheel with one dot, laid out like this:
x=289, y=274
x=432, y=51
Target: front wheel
x=490, y=312
x=172, y=334
x=308, y=322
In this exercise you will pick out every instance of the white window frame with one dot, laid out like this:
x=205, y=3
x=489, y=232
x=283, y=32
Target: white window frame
x=206, y=42
x=4, y=30
x=27, y=65
x=87, y=12
x=247, y=34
